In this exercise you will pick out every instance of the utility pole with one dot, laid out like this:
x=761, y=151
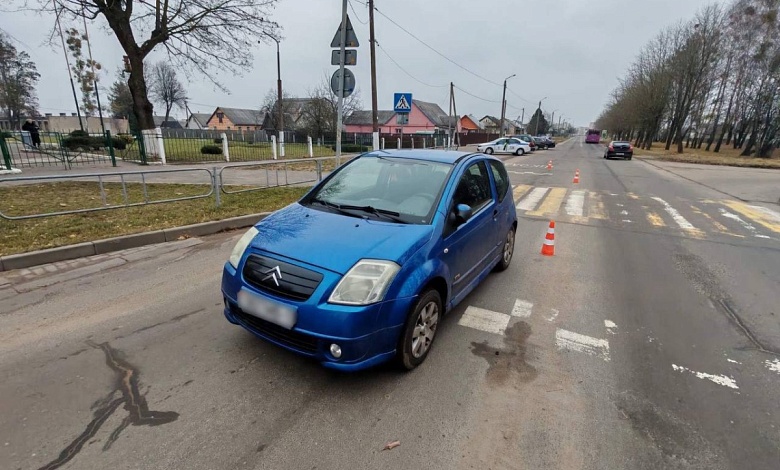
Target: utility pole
x=95, y=81
x=279, y=87
x=559, y=123
x=67, y=63
x=503, y=107
x=342, y=46
x=374, y=106
x=539, y=115
x=522, y=119
x=552, y=120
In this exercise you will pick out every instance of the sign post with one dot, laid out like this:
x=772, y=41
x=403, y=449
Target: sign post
x=343, y=35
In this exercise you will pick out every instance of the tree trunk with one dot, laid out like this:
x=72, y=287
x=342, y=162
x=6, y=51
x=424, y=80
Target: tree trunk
x=142, y=107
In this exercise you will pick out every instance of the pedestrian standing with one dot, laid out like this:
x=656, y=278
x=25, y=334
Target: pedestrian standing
x=31, y=127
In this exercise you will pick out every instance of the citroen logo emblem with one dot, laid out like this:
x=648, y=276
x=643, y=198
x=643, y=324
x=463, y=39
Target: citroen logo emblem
x=273, y=273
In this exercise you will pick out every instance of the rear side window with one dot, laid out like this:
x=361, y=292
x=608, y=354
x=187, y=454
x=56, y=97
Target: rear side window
x=501, y=178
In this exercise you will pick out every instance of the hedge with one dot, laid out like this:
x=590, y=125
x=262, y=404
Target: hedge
x=211, y=150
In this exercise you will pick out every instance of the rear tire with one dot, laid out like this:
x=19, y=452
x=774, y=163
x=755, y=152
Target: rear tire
x=628, y=158
x=519, y=152
x=489, y=150
x=420, y=330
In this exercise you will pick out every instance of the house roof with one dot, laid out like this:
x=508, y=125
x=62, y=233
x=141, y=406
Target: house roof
x=474, y=120
x=434, y=113
x=364, y=118
x=171, y=123
x=201, y=118
x=492, y=120
x=242, y=117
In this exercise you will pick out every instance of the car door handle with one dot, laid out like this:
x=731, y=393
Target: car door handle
x=495, y=213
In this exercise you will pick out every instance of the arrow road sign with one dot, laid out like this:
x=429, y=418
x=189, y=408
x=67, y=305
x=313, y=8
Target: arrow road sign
x=351, y=37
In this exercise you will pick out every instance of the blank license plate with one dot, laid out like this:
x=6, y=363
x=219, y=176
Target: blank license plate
x=620, y=154
x=273, y=312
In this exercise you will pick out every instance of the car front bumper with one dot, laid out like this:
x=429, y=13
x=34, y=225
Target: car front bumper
x=365, y=334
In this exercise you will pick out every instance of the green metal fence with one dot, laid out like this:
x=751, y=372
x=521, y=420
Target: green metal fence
x=21, y=150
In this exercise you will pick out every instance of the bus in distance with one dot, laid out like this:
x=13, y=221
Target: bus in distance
x=593, y=136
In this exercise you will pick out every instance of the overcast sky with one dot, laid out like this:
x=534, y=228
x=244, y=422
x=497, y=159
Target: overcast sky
x=571, y=51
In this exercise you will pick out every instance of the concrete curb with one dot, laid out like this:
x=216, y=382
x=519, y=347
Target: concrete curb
x=108, y=245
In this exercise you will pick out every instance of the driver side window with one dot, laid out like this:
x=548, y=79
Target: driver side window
x=473, y=188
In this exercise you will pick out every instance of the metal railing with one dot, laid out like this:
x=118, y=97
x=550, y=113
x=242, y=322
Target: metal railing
x=116, y=190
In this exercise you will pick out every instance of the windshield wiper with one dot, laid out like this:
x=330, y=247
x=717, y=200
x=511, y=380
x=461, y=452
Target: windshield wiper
x=392, y=215
x=333, y=206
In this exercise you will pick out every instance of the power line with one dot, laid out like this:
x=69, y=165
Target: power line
x=477, y=97
x=434, y=50
x=356, y=15
x=523, y=99
x=405, y=71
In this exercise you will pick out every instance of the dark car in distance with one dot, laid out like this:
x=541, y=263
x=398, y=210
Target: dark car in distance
x=619, y=149
x=547, y=142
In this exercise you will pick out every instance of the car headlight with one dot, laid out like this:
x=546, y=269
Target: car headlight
x=240, y=247
x=366, y=283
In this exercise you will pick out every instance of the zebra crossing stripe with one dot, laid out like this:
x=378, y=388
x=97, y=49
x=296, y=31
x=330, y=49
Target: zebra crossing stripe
x=575, y=203
x=571, y=341
x=762, y=215
x=551, y=203
x=532, y=199
x=676, y=216
x=519, y=190
x=596, y=209
x=484, y=320
x=522, y=309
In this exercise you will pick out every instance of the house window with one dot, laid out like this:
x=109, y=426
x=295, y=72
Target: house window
x=398, y=130
x=402, y=119
x=220, y=115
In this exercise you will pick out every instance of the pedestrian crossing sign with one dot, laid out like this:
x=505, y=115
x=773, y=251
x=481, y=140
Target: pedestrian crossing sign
x=403, y=102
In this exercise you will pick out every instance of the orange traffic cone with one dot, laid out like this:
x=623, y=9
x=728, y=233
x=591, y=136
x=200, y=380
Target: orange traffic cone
x=549, y=165
x=576, y=177
x=548, y=248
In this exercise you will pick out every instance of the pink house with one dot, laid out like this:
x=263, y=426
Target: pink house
x=424, y=118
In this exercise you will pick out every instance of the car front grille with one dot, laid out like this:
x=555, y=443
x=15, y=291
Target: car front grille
x=280, y=278
x=299, y=341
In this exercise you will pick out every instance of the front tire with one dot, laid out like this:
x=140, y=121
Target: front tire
x=489, y=150
x=420, y=330
x=507, y=251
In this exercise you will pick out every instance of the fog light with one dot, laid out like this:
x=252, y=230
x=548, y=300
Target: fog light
x=335, y=350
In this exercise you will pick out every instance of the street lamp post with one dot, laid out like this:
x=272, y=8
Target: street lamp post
x=278, y=85
x=552, y=121
x=538, y=118
x=503, y=106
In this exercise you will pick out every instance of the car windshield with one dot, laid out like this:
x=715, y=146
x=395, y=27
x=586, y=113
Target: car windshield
x=385, y=188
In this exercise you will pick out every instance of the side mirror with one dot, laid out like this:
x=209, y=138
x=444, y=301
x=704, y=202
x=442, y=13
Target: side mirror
x=462, y=213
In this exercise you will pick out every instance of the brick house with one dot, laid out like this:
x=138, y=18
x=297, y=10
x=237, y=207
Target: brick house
x=236, y=119
x=424, y=118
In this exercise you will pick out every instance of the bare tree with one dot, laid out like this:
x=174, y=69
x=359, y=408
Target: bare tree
x=18, y=77
x=165, y=87
x=271, y=106
x=321, y=112
x=200, y=35
x=84, y=70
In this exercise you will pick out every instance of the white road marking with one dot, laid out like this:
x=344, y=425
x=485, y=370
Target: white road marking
x=522, y=309
x=554, y=315
x=624, y=212
x=484, y=320
x=575, y=203
x=772, y=214
x=611, y=326
x=626, y=221
x=773, y=365
x=733, y=361
x=533, y=198
x=747, y=225
x=619, y=205
x=565, y=339
x=528, y=173
x=678, y=218
x=718, y=379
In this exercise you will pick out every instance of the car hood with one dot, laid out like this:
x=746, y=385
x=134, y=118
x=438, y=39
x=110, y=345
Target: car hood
x=336, y=242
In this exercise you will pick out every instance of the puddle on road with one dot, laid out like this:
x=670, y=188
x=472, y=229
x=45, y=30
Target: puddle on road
x=134, y=402
x=509, y=360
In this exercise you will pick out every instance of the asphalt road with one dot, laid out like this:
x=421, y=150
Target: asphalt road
x=650, y=340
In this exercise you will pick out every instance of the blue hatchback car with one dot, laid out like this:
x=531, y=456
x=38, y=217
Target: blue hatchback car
x=363, y=267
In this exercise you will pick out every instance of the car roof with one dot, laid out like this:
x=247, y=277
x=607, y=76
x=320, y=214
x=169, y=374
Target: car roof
x=438, y=156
